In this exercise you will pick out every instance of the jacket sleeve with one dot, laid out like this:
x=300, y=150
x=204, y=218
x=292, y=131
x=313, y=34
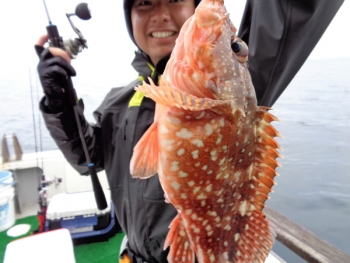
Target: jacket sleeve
x=280, y=36
x=63, y=129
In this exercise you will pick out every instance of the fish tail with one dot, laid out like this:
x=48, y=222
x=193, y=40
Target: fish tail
x=178, y=240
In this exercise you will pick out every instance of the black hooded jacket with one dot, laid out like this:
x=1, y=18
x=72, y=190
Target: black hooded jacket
x=121, y=120
x=280, y=34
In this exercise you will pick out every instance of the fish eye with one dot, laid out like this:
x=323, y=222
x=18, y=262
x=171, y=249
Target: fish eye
x=241, y=50
x=236, y=47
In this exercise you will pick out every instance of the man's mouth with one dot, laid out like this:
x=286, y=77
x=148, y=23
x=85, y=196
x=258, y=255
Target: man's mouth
x=162, y=34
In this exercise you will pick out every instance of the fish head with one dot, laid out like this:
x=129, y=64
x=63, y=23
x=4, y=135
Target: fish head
x=209, y=60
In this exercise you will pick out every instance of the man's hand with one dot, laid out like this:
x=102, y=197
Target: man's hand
x=54, y=69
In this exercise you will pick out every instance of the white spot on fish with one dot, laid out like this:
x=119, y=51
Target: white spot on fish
x=195, y=154
x=175, y=185
x=208, y=129
x=180, y=152
x=198, y=142
x=237, y=237
x=208, y=227
x=212, y=213
x=227, y=227
x=201, y=196
x=209, y=188
x=238, y=253
x=205, y=167
x=214, y=156
x=222, y=122
x=191, y=183
x=164, y=129
x=225, y=255
x=243, y=208
x=201, y=115
x=184, y=134
x=210, y=172
x=174, y=166
x=225, y=243
x=222, y=161
x=220, y=200
x=188, y=211
x=212, y=258
x=197, y=164
x=183, y=174
x=183, y=196
x=196, y=190
x=174, y=120
x=219, y=139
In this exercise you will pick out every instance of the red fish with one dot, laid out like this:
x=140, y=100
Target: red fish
x=212, y=146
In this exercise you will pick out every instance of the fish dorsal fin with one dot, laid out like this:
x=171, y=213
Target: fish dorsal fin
x=265, y=156
x=170, y=96
x=258, y=228
x=177, y=239
x=144, y=161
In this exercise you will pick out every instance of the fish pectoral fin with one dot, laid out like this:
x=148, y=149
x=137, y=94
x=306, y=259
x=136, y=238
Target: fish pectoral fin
x=180, y=246
x=170, y=96
x=144, y=161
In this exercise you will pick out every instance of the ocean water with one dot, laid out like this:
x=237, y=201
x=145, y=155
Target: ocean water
x=314, y=183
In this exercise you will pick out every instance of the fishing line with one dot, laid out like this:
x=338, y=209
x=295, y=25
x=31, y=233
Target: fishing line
x=39, y=122
x=34, y=127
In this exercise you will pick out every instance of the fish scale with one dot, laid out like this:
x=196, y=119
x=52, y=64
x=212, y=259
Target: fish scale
x=211, y=145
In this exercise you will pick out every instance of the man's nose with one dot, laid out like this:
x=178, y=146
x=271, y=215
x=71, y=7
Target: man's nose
x=161, y=12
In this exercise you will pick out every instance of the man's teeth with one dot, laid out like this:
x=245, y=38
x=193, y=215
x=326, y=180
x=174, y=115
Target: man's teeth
x=163, y=34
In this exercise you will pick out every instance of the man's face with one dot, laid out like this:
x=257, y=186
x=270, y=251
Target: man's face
x=156, y=25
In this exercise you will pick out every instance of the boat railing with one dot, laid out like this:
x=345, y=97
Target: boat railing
x=303, y=242
x=5, y=153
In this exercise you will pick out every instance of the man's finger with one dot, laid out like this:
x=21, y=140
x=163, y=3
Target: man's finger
x=57, y=52
x=42, y=40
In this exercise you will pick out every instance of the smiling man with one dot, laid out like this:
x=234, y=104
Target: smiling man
x=156, y=25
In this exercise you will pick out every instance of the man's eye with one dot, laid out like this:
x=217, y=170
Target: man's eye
x=142, y=3
x=174, y=1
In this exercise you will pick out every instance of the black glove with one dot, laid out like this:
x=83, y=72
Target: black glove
x=53, y=74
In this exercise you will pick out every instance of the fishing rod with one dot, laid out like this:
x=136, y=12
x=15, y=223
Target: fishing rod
x=73, y=47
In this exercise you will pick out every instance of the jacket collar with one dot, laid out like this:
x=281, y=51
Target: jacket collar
x=143, y=65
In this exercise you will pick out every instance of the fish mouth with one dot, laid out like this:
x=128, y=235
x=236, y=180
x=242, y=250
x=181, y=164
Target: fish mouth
x=163, y=34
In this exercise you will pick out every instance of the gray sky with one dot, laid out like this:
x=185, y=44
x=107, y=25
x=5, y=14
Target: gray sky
x=110, y=49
